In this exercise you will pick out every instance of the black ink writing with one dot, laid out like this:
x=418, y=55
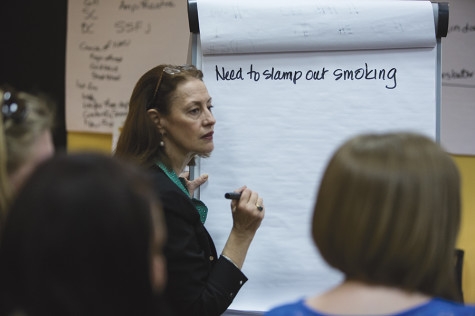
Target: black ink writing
x=467, y=28
x=282, y=75
x=457, y=74
x=86, y=28
x=325, y=10
x=145, y=5
x=339, y=74
x=113, y=58
x=154, y=5
x=253, y=75
x=89, y=47
x=316, y=75
x=116, y=44
x=89, y=14
x=89, y=86
x=80, y=85
x=131, y=26
x=104, y=58
x=97, y=114
x=110, y=57
x=132, y=7
x=99, y=76
x=345, y=30
x=104, y=67
x=103, y=47
x=96, y=57
x=228, y=74
x=367, y=74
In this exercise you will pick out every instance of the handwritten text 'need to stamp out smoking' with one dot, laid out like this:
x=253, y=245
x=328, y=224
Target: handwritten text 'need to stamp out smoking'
x=363, y=73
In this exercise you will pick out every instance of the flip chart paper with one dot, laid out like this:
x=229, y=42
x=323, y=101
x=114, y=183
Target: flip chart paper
x=285, y=95
x=110, y=44
x=458, y=80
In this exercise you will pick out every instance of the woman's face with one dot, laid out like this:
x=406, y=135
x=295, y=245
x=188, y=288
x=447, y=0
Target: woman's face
x=188, y=128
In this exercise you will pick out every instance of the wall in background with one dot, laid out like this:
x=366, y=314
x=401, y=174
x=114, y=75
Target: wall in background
x=33, y=53
x=466, y=239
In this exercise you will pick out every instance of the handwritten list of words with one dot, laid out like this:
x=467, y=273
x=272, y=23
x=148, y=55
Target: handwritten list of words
x=110, y=45
x=458, y=80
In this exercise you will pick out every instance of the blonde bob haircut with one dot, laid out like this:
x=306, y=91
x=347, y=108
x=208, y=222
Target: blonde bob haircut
x=140, y=138
x=388, y=213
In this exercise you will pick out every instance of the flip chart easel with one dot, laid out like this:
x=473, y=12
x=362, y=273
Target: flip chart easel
x=277, y=125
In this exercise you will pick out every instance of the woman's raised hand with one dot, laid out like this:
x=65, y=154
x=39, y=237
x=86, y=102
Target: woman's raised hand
x=248, y=211
x=195, y=183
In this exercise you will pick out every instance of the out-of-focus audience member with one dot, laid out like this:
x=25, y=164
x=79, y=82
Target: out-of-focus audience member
x=25, y=139
x=84, y=236
x=387, y=215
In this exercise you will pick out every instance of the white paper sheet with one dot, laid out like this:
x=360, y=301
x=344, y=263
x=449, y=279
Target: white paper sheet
x=276, y=135
x=110, y=44
x=248, y=26
x=458, y=80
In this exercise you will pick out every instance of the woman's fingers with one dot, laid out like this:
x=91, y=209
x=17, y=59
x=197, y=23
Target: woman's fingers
x=248, y=211
x=195, y=183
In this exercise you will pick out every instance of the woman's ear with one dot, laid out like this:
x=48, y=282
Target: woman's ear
x=154, y=115
x=156, y=119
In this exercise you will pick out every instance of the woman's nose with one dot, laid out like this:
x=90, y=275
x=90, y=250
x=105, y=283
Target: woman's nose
x=209, y=118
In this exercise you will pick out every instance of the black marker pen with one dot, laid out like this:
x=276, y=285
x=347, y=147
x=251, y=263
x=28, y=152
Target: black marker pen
x=237, y=196
x=232, y=195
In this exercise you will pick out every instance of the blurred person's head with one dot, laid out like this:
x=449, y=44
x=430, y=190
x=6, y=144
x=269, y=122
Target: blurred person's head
x=83, y=237
x=25, y=139
x=388, y=213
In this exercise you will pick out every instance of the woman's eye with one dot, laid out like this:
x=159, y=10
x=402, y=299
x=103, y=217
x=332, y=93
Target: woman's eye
x=194, y=111
x=210, y=107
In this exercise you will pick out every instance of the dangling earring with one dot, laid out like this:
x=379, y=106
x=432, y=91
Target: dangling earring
x=162, y=144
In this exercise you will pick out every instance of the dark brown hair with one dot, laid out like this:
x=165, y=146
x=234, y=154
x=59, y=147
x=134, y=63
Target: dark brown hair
x=78, y=240
x=388, y=213
x=139, y=139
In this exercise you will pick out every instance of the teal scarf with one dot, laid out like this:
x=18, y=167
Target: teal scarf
x=180, y=182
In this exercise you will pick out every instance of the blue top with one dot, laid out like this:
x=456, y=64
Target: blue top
x=435, y=307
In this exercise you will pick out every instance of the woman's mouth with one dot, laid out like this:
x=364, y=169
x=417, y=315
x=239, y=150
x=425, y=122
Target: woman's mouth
x=208, y=136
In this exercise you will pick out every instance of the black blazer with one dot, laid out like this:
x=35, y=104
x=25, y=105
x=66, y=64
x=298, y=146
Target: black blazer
x=199, y=283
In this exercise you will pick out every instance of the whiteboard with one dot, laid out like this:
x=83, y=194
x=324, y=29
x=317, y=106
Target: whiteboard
x=290, y=81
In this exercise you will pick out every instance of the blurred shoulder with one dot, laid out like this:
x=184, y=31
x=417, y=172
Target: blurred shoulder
x=439, y=306
x=297, y=308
